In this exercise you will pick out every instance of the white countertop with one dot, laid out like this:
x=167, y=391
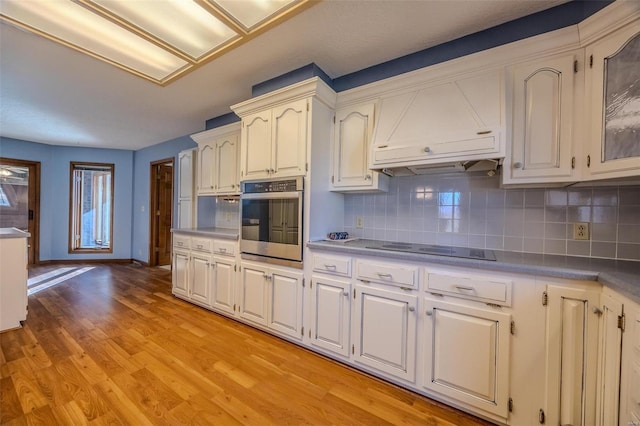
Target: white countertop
x=13, y=233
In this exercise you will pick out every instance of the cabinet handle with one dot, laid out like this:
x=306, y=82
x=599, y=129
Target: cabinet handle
x=411, y=309
x=483, y=132
x=517, y=165
x=463, y=288
x=180, y=243
x=332, y=267
x=598, y=311
x=199, y=246
x=345, y=293
x=222, y=250
x=367, y=177
x=273, y=171
x=429, y=313
x=382, y=275
x=427, y=150
x=266, y=170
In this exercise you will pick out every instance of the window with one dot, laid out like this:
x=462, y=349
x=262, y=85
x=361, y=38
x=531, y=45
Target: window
x=91, y=212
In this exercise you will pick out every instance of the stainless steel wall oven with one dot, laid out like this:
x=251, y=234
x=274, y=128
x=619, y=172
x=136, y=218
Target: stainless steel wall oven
x=271, y=213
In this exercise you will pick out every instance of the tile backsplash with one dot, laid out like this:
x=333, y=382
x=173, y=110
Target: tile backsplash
x=471, y=210
x=218, y=212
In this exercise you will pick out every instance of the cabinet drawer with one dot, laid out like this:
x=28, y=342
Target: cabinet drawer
x=201, y=244
x=224, y=248
x=396, y=275
x=332, y=265
x=181, y=241
x=470, y=287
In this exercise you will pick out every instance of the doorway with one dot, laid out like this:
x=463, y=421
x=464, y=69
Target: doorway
x=161, y=212
x=20, y=200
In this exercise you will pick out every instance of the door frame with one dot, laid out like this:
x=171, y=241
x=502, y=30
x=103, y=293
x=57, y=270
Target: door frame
x=34, y=204
x=154, y=202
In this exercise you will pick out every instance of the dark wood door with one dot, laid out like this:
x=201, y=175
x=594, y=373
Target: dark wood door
x=20, y=206
x=161, y=212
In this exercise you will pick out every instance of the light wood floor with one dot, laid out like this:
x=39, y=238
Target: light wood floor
x=113, y=346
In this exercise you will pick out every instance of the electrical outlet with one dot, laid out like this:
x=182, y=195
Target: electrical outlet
x=359, y=222
x=581, y=231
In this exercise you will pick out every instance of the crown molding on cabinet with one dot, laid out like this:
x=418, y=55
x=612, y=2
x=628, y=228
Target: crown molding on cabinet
x=207, y=135
x=612, y=17
x=312, y=87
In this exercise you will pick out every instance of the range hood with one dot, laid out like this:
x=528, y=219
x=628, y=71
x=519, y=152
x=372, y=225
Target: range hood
x=490, y=166
x=454, y=125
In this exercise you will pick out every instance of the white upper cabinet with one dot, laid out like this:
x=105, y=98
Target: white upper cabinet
x=186, y=202
x=452, y=120
x=613, y=117
x=541, y=148
x=274, y=142
x=277, y=130
x=351, y=146
x=218, y=170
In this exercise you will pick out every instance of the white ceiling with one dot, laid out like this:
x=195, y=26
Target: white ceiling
x=55, y=95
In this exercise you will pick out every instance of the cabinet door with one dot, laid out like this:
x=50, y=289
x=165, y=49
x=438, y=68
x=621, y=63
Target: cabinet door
x=467, y=354
x=572, y=341
x=206, y=166
x=289, y=136
x=224, y=285
x=185, y=174
x=227, y=171
x=543, y=108
x=285, y=302
x=180, y=273
x=185, y=207
x=610, y=351
x=330, y=314
x=613, y=84
x=253, y=293
x=255, y=154
x=353, y=131
x=385, y=330
x=200, y=278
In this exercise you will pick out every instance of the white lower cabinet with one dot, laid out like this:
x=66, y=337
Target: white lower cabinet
x=384, y=330
x=202, y=277
x=272, y=297
x=224, y=284
x=466, y=354
x=571, y=355
x=330, y=314
x=180, y=272
x=200, y=281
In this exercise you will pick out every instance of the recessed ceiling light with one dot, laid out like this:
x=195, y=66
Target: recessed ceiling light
x=157, y=40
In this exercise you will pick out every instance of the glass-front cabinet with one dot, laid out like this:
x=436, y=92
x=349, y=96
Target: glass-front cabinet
x=613, y=122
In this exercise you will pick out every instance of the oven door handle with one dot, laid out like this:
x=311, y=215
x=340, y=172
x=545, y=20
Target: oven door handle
x=271, y=195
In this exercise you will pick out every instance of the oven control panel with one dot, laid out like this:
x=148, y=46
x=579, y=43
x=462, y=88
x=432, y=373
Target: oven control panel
x=288, y=185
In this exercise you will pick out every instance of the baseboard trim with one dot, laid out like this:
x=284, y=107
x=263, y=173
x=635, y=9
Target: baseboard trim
x=84, y=261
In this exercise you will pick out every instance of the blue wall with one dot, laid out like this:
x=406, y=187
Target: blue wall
x=141, y=189
x=54, y=194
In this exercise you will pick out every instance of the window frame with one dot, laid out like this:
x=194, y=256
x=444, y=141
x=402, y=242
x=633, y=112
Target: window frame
x=73, y=213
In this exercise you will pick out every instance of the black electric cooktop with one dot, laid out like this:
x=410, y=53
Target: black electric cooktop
x=464, y=252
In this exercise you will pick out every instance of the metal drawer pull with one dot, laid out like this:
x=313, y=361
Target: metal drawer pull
x=461, y=287
x=483, y=132
x=381, y=275
x=429, y=313
x=180, y=243
x=199, y=245
x=411, y=309
x=222, y=250
x=517, y=165
x=330, y=266
x=427, y=149
x=346, y=293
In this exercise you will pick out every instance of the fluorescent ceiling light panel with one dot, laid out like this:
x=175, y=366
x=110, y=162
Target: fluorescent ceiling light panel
x=159, y=40
x=179, y=23
x=250, y=13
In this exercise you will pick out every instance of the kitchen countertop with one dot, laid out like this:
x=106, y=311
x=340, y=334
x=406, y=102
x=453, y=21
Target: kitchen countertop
x=224, y=233
x=622, y=276
x=13, y=233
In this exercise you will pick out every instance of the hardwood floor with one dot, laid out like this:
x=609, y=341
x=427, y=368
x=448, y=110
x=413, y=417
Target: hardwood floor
x=113, y=346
